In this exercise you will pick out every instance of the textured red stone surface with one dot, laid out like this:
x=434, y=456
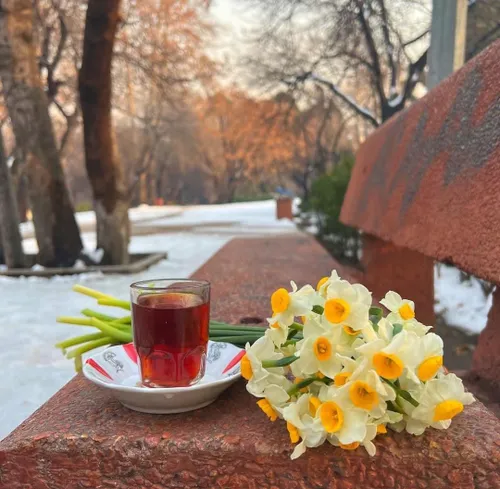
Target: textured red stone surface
x=486, y=361
x=429, y=178
x=83, y=438
x=409, y=273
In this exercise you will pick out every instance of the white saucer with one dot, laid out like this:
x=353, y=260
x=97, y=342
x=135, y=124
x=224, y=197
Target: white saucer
x=116, y=369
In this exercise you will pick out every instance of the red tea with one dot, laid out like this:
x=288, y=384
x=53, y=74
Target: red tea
x=171, y=336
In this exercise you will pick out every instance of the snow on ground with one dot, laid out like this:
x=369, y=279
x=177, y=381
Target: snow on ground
x=86, y=220
x=463, y=304
x=31, y=369
x=246, y=216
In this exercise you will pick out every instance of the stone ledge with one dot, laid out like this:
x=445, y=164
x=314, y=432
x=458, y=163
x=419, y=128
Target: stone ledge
x=84, y=438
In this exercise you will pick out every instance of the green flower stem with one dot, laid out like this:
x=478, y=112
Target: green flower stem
x=121, y=326
x=392, y=406
x=72, y=320
x=401, y=393
x=282, y=362
x=117, y=335
x=297, y=326
x=238, y=329
x=306, y=382
x=106, y=301
x=318, y=309
x=217, y=327
x=94, y=314
x=77, y=340
x=78, y=352
x=236, y=340
x=217, y=332
x=91, y=292
x=123, y=320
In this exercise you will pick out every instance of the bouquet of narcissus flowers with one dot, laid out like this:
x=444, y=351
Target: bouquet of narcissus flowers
x=336, y=370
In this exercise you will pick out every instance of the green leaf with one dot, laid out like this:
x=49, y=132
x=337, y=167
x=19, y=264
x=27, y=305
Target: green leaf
x=375, y=311
x=396, y=328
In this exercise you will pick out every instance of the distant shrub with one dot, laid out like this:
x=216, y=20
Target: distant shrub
x=325, y=202
x=83, y=206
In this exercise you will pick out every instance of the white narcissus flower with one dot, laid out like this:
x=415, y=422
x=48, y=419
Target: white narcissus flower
x=319, y=349
x=368, y=392
x=288, y=305
x=339, y=417
x=366, y=442
x=259, y=378
x=347, y=305
x=403, y=312
x=428, y=353
x=389, y=355
x=303, y=424
x=439, y=401
x=325, y=282
x=278, y=332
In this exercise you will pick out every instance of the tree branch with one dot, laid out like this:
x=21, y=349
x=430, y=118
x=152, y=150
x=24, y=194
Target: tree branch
x=414, y=72
x=372, y=50
x=361, y=111
x=389, y=48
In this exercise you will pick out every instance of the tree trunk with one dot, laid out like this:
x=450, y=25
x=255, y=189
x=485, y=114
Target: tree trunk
x=10, y=236
x=105, y=173
x=56, y=230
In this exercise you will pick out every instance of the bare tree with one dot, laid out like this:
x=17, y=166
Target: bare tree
x=104, y=169
x=337, y=43
x=56, y=230
x=10, y=237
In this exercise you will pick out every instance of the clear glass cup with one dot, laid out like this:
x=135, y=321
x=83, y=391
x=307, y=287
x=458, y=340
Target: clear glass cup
x=170, y=321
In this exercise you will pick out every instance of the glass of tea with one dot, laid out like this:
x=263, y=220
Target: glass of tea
x=170, y=320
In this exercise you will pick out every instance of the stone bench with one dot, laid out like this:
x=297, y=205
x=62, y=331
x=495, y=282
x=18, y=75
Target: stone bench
x=425, y=187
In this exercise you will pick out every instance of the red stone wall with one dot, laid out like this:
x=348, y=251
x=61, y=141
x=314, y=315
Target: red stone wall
x=429, y=178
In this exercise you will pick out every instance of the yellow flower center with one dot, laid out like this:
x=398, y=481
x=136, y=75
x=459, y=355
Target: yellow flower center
x=322, y=349
x=341, y=378
x=246, y=368
x=331, y=416
x=350, y=446
x=265, y=405
x=336, y=310
x=362, y=395
x=350, y=331
x=321, y=283
x=314, y=404
x=406, y=312
x=280, y=300
x=381, y=429
x=293, y=432
x=447, y=410
x=387, y=365
x=429, y=368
